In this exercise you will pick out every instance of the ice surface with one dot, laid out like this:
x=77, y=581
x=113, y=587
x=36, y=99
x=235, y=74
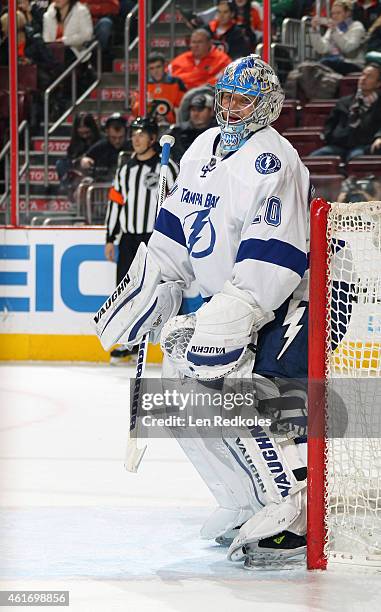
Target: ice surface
x=72, y=518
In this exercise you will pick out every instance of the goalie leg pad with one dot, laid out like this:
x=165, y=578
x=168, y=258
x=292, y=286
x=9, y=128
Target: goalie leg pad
x=230, y=481
x=287, y=510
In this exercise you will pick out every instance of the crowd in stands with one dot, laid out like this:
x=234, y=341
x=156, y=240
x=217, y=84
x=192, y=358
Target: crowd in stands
x=353, y=128
x=51, y=35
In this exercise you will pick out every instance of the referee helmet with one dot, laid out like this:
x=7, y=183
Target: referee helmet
x=145, y=124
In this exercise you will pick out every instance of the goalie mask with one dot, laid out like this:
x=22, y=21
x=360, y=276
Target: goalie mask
x=248, y=97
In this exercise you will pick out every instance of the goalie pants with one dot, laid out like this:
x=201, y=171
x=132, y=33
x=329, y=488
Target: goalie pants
x=128, y=245
x=282, y=347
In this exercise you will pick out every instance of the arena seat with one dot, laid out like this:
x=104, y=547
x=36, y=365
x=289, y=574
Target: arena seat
x=58, y=50
x=304, y=140
x=27, y=77
x=23, y=105
x=364, y=166
x=4, y=104
x=348, y=84
x=323, y=165
x=327, y=186
x=287, y=118
x=314, y=114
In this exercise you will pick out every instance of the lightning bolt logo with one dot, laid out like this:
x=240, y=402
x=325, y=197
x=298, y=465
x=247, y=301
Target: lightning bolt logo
x=196, y=227
x=201, y=220
x=292, y=319
x=267, y=162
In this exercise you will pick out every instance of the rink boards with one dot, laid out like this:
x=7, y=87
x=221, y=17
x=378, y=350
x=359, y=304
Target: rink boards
x=51, y=282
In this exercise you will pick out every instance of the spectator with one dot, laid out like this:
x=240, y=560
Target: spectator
x=165, y=92
x=249, y=18
x=353, y=127
x=102, y=12
x=373, y=42
x=35, y=50
x=281, y=9
x=31, y=50
x=126, y=6
x=21, y=39
x=202, y=64
x=101, y=159
x=33, y=14
x=196, y=115
x=68, y=22
x=251, y=13
x=225, y=33
x=366, y=11
x=132, y=204
x=342, y=45
x=364, y=189
x=84, y=134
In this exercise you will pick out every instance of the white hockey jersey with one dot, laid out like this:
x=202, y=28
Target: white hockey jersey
x=241, y=218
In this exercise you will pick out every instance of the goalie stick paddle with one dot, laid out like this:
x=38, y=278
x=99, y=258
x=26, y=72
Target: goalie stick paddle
x=134, y=454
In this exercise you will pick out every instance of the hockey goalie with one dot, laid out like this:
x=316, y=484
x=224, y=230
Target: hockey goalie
x=236, y=221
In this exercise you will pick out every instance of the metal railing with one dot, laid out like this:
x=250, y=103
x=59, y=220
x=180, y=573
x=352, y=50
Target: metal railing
x=130, y=46
x=4, y=153
x=127, y=48
x=96, y=203
x=75, y=102
x=280, y=61
x=63, y=220
x=291, y=35
x=307, y=50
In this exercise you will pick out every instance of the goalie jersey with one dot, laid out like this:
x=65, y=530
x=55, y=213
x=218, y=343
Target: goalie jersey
x=243, y=218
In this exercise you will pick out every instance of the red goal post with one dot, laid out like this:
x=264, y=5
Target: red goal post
x=316, y=372
x=344, y=405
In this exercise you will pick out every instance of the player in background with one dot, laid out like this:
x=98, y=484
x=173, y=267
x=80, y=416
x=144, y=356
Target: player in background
x=131, y=210
x=236, y=221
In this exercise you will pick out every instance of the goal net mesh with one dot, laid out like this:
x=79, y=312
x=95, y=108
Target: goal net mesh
x=353, y=371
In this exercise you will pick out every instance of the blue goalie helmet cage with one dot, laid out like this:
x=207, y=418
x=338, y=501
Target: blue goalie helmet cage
x=255, y=79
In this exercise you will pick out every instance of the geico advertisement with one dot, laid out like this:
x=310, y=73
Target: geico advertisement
x=51, y=281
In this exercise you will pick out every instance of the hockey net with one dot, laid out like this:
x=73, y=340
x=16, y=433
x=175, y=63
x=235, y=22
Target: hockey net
x=344, y=489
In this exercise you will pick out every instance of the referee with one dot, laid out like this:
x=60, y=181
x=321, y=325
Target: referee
x=131, y=210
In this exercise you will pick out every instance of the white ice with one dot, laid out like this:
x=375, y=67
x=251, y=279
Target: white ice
x=72, y=518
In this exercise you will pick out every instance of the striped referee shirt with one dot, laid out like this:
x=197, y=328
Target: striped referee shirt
x=133, y=196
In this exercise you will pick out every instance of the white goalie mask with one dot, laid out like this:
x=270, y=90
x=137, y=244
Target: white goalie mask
x=248, y=96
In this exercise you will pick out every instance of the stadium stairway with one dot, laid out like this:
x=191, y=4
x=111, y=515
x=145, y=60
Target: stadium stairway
x=112, y=99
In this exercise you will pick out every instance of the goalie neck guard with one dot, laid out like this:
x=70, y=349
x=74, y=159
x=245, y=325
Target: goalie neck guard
x=248, y=97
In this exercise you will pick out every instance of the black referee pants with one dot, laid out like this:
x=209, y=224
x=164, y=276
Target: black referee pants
x=128, y=245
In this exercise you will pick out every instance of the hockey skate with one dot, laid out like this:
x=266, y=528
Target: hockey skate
x=121, y=355
x=257, y=545
x=282, y=551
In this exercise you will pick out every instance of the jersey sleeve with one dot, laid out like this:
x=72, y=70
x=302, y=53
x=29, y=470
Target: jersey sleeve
x=272, y=256
x=168, y=245
x=114, y=206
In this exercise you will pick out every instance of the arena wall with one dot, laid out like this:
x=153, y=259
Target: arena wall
x=51, y=282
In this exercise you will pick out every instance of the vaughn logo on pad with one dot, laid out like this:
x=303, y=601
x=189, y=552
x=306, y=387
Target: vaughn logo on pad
x=210, y=350
x=120, y=288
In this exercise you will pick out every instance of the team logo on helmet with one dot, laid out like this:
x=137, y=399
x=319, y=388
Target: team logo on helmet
x=267, y=163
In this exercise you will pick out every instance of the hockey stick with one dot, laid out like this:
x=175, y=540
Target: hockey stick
x=134, y=455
